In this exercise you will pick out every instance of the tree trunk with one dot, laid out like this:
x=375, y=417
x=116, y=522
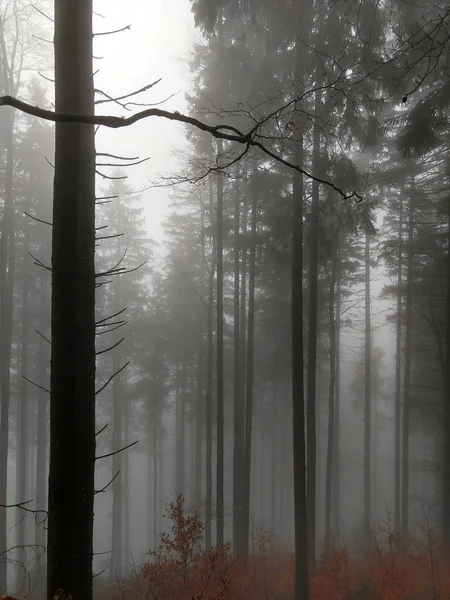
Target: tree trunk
x=367, y=397
x=198, y=450
x=6, y=312
x=42, y=401
x=249, y=379
x=311, y=442
x=155, y=484
x=336, y=468
x=126, y=492
x=72, y=400
x=209, y=389
x=398, y=375
x=219, y=379
x=407, y=372
x=239, y=414
x=331, y=405
x=22, y=422
x=273, y=448
x=117, y=444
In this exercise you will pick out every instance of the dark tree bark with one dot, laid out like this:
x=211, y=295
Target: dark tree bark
x=407, y=371
x=209, y=391
x=312, y=346
x=219, y=340
x=249, y=379
x=367, y=395
x=23, y=418
x=72, y=386
x=42, y=402
x=198, y=429
x=301, y=520
x=117, y=471
x=336, y=470
x=398, y=376
x=331, y=404
x=239, y=415
x=7, y=264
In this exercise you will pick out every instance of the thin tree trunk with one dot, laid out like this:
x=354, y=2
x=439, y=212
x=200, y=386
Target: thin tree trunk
x=117, y=444
x=198, y=433
x=239, y=402
x=336, y=470
x=302, y=521
x=407, y=373
x=209, y=388
x=42, y=402
x=331, y=405
x=367, y=397
x=126, y=492
x=311, y=442
x=155, y=483
x=250, y=362
x=72, y=400
x=6, y=313
x=273, y=448
x=22, y=421
x=398, y=375
x=219, y=379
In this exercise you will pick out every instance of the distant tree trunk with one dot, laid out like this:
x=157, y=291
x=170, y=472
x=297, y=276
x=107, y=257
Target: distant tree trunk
x=72, y=400
x=367, y=396
x=249, y=379
x=273, y=447
x=311, y=442
x=336, y=470
x=209, y=392
x=6, y=317
x=302, y=522
x=239, y=402
x=126, y=492
x=42, y=402
x=180, y=415
x=219, y=379
x=407, y=371
x=243, y=319
x=398, y=376
x=446, y=465
x=22, y=419
x=198, y=449
x=155, y=481
x=116, y=546
x=331, y=404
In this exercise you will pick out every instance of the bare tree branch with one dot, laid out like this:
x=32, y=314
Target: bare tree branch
x=225, y=132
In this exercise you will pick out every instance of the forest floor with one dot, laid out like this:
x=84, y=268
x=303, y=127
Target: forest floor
x=180, y=570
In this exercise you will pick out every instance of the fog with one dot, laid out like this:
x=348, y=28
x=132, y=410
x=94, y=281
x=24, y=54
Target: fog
x=195, y=309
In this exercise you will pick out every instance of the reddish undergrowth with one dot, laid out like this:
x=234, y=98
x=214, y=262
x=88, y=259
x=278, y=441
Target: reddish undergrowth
x=181, y=570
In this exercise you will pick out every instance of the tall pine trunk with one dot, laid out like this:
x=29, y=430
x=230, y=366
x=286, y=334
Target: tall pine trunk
x=367, y=395
x=250, y=362
x=312, y=342
x=72, y=386
x=407, y=371
x=42, y=402
x=398, y=375
x=117, y=474
x=6, y=313
x=336, y=467
x=209, y=391
x=331, y=404
x=238, y=417
x=219, y=378
x=23, y=419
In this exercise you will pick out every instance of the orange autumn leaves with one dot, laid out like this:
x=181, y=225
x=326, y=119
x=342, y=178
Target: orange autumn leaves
x=180, y=569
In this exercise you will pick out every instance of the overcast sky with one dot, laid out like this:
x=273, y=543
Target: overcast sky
x=157, y=46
